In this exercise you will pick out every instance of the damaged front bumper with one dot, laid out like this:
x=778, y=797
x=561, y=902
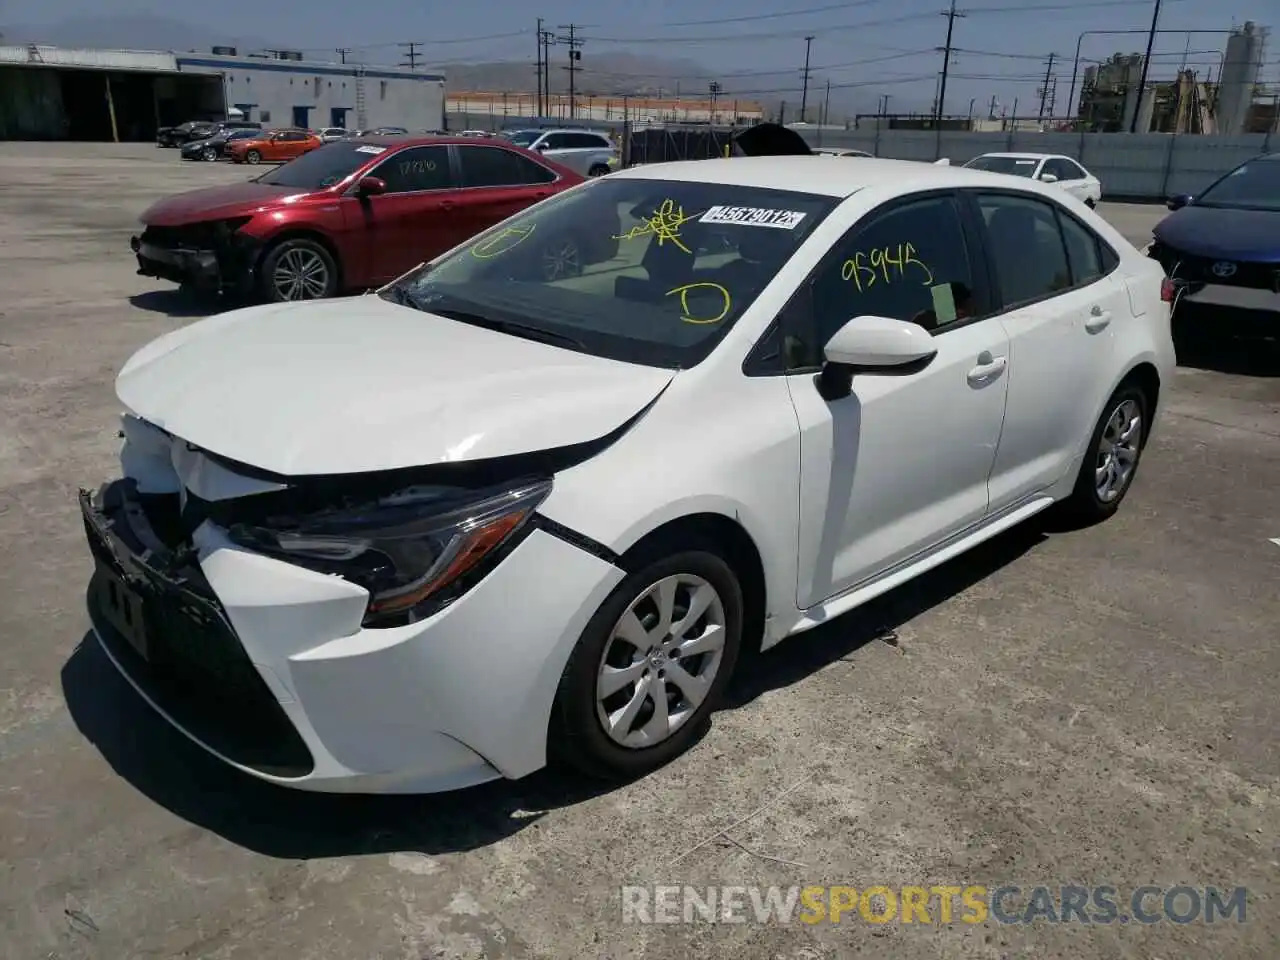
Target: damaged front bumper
x=210, y=260
x=266, y=664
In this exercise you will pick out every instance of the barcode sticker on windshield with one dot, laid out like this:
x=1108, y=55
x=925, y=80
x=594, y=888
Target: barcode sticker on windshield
x=374, y=150
x=753, y=217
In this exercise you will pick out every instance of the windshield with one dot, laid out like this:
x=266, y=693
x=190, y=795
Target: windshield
x=522, y=138
x=243, y=134
x=1017, y=166
x=645, y=271
x=1253, y=186
x=324, y=166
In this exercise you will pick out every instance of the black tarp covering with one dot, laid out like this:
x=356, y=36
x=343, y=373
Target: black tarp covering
x=770, y=140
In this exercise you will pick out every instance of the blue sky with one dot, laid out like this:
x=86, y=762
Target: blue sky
x=866, y=48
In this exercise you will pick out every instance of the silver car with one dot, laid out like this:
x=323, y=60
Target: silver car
x=330, y=134
x=587, y=152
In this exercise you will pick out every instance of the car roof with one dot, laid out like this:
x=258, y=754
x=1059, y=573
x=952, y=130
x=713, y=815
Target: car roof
x=1027, y=156
x=418, y=139
x=796, y=173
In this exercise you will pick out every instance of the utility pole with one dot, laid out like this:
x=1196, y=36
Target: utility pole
x=1146, y=63
x=715, y=89
x=826, y=105
x=342, y=52
x=951, y=15
x=575, y=57
x=1044, y=90
x=539, y=39
x=804, y=94
x=411, y=54
x=548, y=38
x=884, y=104
x=991, y=110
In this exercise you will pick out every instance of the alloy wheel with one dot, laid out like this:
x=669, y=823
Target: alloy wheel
x=253, y=156
x=1118, y=450
x=210, y=154
x=300, y=274
x=561, y=260
x=660, y=661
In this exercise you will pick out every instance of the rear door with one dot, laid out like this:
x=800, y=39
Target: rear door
x=496, y=183
x=416, y=218
x=1058, y=297
x=558, y=147
x=1070, y=177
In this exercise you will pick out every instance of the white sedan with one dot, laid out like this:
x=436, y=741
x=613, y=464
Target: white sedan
x=1047, y=168
x=839, y=152
x=482, y=520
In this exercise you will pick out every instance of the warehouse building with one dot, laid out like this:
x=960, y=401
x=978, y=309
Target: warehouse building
x=56, y=93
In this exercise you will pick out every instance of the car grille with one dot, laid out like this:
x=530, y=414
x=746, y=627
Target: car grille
x=196, y=669
x=1262, y=276
x=192, y=236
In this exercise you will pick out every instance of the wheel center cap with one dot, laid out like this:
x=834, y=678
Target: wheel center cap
x=657, y=660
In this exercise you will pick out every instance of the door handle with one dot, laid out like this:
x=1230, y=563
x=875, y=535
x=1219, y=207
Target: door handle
x=988, y=368
x=1099, y=319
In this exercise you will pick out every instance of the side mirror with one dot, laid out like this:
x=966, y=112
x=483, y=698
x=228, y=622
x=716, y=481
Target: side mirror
x=541, y=147
x=1178, y=201
x=875, y=343
x=1048, y=178
x=370, y=187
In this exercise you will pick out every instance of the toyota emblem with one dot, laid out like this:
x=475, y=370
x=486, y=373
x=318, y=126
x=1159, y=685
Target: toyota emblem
x=1224, y=269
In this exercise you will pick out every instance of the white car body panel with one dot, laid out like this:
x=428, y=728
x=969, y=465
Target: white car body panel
x=842, y=500
x=414, y=389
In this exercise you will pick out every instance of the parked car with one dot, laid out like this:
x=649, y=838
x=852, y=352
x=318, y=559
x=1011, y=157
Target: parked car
x=273, y=145
x=1227, y=236
x=1047, y=168
x=489, y=518
x=330, y=134
x=350, y=215
x=215, y=147
x=384, y=132
x=838, y=152
x=589, y=152
x=184, y=132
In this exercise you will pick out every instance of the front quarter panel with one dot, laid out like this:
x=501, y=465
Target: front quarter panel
x=730, y=449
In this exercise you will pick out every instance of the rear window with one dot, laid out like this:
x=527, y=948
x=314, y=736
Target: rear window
x=1017, y=166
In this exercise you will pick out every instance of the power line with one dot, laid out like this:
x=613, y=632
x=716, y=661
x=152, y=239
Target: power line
x=763, y=73
x=411, y=54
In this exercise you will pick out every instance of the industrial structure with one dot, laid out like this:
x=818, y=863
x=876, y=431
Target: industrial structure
x=503, y=109
x=1233, y=103
x=56, y=93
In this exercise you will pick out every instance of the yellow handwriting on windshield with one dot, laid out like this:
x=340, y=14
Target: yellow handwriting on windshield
x=506, y=239
x=665, y=224
x=864, y=268
x=717, y=296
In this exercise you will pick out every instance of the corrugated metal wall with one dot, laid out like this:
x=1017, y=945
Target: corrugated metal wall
x=31, y=104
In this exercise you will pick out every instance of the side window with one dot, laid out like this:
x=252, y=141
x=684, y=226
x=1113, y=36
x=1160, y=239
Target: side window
x=1083, y=250
x=1076, y=171
x=909, y=262
x=557, y=141
x=495, y=167
x=1060, y=168
x=418, y=168
x=1026, y=247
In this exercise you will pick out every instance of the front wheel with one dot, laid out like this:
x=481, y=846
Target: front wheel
x=298, y=269
x=209, y=154
x=1111, y=461
x=650, y=667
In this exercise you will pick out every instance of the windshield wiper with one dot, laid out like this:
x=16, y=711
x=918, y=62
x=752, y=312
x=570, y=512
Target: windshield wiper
x=509, y=327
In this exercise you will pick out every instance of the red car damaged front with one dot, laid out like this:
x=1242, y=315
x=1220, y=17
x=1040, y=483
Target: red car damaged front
x=347, y=216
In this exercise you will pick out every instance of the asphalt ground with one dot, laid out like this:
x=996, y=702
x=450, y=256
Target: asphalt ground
x=1089, y=707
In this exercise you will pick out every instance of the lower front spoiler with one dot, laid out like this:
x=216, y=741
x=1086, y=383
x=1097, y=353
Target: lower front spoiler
x=211, y=271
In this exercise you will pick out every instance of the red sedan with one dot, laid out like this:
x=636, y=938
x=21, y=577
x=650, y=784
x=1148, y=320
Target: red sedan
x=352, y=215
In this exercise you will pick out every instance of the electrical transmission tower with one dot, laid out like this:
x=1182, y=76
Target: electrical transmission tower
x=575, y=58
x=411, y=54
x=1048, y=92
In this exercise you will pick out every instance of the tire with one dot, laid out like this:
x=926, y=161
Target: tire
x=1091, y=203
x=578, y=737
x=208, y=154
x=1087, y=504
x=253, y=156
x=599, y=170
x=313, y=269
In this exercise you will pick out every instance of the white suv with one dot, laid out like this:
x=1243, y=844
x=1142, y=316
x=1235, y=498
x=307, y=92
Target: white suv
x=587, y=152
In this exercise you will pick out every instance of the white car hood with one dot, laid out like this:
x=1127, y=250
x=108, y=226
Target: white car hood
x=360, y=384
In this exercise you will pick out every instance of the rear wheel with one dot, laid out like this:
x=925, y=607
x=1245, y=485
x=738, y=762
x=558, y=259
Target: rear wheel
x=209, y=154
x=1090, y=203
x=253, y=156
x=599, y=170
x=1111, y=461
x=298, y=269
x=649, y=668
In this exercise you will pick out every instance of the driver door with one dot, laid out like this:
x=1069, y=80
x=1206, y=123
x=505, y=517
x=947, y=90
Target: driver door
x=902, y=464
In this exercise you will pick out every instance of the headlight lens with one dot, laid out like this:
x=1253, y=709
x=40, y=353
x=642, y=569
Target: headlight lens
x=414, y=551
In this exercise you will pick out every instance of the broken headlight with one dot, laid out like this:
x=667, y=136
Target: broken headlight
x=414, y=551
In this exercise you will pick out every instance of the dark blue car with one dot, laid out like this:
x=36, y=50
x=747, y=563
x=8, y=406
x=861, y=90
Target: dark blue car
x=1229, y=235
